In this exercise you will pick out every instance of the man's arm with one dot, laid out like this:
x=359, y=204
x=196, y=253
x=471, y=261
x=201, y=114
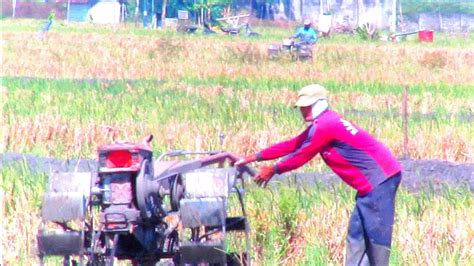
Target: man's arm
x=283, y=148
x=310, y=148
x=313, y=37
x=298, y=33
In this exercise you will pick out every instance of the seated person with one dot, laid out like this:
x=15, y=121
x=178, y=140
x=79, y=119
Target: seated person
x=306, y=34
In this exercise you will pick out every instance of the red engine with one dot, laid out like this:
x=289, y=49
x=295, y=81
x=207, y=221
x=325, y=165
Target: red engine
x=119, y=165
x=123, y=157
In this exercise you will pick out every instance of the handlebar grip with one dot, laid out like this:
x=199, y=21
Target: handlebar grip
x=222, y=157
x=249, y=170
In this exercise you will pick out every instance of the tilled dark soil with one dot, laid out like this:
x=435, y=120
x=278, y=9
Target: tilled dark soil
x=417, y=174
x=38, y=165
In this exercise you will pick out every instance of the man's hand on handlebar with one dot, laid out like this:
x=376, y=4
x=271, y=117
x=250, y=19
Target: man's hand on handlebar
x=246, y=160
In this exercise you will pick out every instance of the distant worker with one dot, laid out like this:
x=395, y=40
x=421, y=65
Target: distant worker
x=306, y=34
x=49, y=22
x=357, y=158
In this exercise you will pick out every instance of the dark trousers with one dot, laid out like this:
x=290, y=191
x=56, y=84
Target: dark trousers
x=369, y=236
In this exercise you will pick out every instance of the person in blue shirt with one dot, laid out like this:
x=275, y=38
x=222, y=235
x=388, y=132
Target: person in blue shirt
x=48, y=23
x=306, y=34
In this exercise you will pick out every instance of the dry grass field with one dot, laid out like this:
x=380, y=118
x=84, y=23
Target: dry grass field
x=66, y=92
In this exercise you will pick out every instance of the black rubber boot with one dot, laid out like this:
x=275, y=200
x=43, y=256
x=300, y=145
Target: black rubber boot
x=355, y=244
x=378, y=255
x=355, y=252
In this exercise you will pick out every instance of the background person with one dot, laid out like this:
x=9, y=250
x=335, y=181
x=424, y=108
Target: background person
x=49, y=22
x=357, y=158
x=306, y=34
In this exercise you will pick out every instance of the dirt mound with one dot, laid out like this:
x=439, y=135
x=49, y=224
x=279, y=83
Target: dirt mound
x=417, y=174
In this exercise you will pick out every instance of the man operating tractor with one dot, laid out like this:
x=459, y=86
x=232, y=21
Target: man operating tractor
x=357, y=158
x=306, y=34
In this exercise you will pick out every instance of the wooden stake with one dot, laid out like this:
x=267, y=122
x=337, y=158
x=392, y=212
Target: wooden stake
x=405, y=122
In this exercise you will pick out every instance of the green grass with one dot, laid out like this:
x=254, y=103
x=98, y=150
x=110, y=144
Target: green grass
x=210, y=106
x=81, y=99
x=22, y=187
x=23, y=191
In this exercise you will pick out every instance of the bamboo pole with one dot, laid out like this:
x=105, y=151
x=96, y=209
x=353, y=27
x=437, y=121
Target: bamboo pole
x=405, y=122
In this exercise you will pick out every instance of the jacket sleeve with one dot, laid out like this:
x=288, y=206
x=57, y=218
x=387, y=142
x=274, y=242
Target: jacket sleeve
x=298, y=33
x=306, y=151
x=283, y=148
x=313, y=36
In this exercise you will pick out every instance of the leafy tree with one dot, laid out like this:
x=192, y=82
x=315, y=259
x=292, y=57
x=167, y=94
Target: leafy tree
x=212, y=8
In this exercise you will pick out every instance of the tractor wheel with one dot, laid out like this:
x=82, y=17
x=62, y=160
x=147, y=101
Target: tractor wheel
x=177, y=192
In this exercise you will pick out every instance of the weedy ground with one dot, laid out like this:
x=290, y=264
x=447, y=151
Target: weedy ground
x=290, y=225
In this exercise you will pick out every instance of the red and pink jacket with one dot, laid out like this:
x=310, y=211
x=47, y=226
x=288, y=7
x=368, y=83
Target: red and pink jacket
x=352, y=153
